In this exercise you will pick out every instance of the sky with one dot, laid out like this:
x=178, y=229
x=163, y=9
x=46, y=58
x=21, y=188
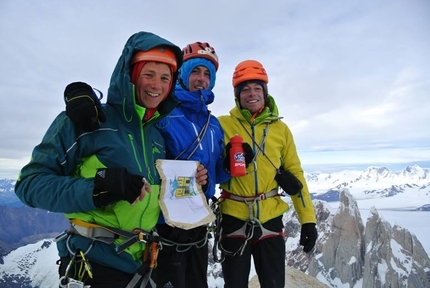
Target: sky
x=350, y=78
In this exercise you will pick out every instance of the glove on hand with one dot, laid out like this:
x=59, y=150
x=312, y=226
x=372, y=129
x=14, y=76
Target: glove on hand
x=114, y=184
x=308, y=236
x=83, y=107
x=249, y=155
x=205, y=186
x=288, y=182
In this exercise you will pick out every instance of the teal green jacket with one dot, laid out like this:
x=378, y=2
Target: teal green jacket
x=59, y=177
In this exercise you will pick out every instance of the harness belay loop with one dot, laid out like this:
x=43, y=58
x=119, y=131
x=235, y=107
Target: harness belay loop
x=248, y=229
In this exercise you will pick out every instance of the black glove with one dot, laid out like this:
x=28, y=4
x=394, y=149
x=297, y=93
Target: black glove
x=249, y=155
x=308, y=236
x=205, y=186
x=83, y=107
x=288, y=182
x=114, y=184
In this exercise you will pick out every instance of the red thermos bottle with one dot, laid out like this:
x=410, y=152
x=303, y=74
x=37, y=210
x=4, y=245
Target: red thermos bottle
x=237, y=157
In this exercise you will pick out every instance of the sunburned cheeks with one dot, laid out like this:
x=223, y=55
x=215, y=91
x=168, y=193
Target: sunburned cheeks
x=153, y=84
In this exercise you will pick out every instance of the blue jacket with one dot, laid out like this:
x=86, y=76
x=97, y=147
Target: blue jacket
x=59, y=177
x=181, y=128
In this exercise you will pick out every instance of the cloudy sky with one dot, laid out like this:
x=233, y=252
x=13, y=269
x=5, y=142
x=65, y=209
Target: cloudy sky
x=351, y=78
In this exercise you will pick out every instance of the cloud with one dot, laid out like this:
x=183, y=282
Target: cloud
x=344, y=74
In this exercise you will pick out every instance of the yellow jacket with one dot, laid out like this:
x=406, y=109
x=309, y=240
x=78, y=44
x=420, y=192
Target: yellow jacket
x=271, y=139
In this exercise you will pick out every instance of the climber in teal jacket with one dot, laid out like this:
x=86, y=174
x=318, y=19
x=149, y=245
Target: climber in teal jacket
x=107, y=177
x=191, y=132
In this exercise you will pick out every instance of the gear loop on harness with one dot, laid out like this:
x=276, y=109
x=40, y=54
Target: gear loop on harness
x=183, y=247
x=73, y=252
x=216, y=229
x=247, y=231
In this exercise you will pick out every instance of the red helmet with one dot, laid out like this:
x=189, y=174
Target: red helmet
x=249, y=70
x=200, y=50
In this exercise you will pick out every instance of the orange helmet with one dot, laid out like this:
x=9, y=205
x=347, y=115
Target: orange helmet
x=158, y=54
x=200, y=50
x=249, y=70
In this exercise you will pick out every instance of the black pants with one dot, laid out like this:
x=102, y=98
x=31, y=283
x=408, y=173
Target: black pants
x=268, y=254
x=103, y=276
x=186, y=269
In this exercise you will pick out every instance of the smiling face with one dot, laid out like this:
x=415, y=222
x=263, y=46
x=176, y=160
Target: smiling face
x=153, y=84
x=199, y=79
x=251, y=97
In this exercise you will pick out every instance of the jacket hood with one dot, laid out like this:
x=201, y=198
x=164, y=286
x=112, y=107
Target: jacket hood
x=121, y=90
x=190, y=98
x=188, y=67
x=193, y=104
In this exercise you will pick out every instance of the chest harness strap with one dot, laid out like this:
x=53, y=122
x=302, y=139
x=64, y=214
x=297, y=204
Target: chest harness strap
x=245, y=232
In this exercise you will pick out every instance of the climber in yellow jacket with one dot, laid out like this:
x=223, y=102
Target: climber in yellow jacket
x=251, y=207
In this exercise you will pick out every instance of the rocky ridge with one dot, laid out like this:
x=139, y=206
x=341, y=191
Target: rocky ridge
x=349, y=254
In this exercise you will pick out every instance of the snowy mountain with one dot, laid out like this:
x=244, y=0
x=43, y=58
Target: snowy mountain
x=408, y=189
x=7, y=195
x=351, y=254
x=384, y=194
x=347, y=254
x=374, y=182
x=32, y=265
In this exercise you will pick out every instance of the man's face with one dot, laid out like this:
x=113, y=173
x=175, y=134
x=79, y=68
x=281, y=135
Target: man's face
x=153, y=84
x=252, y=97
x=199, y=79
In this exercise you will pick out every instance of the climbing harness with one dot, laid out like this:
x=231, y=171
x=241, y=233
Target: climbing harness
x=183, y=247
x=148, y=263
x=154, y=243
x=245, y=232
x=109, y=235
